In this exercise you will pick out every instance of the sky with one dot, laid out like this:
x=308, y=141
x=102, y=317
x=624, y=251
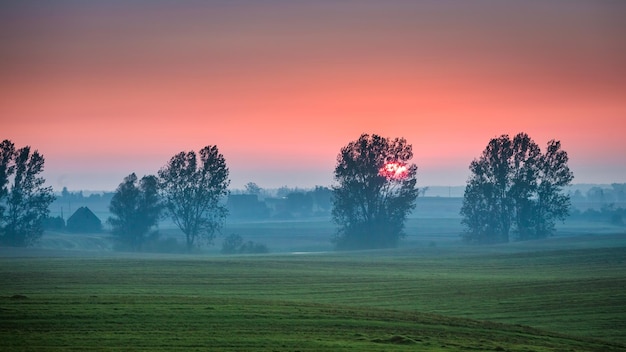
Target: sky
x=106, y=88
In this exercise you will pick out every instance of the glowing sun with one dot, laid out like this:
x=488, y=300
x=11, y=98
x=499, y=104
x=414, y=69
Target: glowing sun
x=393, y=170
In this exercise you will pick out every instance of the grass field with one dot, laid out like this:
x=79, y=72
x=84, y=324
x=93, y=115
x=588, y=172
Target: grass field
x=564, y=294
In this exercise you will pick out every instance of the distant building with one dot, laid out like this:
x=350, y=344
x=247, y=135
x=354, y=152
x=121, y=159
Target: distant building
x=83, y=220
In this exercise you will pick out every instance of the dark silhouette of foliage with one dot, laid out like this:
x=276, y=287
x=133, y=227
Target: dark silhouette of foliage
x=246, y=206
x=24, y=202
x=514, y=187
x=371, y=202
x=7, y=153
x=253, y=188
x=231, y=244
x=192, y=191
x=323, y=198
x=84, y=220
x=251, y=247
x=136, y=209
x=300, y=203
x=234, y=244
x=283, y=191
x=54, y=223
x=608, y=213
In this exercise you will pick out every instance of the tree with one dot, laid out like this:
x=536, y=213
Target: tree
x=552, y=203
x=26, y=200
x=7, y=152
x=253, y=188
x=375, y=192
x=232, y=243
x=322, y=197
x=299, y=203
x=55, y=223
x=136, y=208
x=513, y=187
x=192, y=191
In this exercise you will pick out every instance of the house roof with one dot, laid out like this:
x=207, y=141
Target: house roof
x=84, y=215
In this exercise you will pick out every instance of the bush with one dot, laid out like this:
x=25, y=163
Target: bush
x=55, y=223
x=231, y=244
x=253, y=248
x=234, y=244
x=166, y=245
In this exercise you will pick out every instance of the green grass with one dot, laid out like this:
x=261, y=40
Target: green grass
x=499, y=298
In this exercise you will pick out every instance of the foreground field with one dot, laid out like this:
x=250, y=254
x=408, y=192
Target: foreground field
x=498, y=299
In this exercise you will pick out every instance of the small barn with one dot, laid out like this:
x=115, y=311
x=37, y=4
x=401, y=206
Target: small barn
x=83, y=220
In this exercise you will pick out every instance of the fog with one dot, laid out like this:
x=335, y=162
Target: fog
x=434, y=225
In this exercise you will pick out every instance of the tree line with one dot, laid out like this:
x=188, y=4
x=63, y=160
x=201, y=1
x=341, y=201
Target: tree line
x=515, y=192
x=284, y=203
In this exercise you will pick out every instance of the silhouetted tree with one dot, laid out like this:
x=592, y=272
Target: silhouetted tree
x=513, y=186
x=231, y=244
x=246, y=206
x=7, y=153
x=375, y=192
x=283, y=191
x=55, y=223
x=552, y=203
x=24, y=203
x=322, y=197
x=252, y=188
x=192, y=191
x=300, y=203
x=619, y=191
x=136, y=208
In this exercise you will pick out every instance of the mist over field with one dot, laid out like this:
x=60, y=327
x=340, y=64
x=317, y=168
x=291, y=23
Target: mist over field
x=435, y=222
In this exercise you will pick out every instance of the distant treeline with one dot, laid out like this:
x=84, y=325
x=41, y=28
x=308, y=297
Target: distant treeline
x=248, y=204
x=592, y=202
x=602, y=194
x=606, y=214
x=285, y=203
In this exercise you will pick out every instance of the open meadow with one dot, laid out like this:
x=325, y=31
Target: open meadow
x=564, y=294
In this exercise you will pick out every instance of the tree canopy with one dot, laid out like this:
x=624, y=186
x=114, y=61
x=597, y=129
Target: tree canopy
x=375, y=192
x=514, y=187
x=192, y=191
x=24, y=202
x=136, y=208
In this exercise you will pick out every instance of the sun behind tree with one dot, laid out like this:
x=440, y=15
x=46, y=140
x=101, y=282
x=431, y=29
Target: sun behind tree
x=375, y=192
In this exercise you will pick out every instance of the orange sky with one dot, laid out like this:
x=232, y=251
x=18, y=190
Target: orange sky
x=106, y=89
